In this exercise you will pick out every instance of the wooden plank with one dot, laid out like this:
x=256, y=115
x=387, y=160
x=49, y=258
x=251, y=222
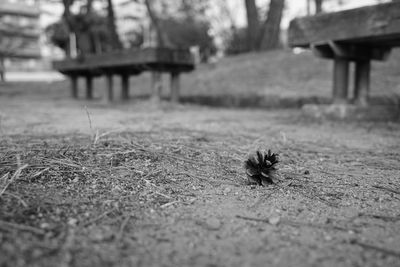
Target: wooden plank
x=350, y=51
x=135, y=60
x=374, y=25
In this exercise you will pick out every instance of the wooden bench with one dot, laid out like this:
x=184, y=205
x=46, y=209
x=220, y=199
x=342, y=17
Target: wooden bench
x=357, y=35
x=126, y=63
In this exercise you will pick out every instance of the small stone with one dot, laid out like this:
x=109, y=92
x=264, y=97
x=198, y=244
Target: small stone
x=45, y=225
x=72, y=221
x=213, y=224
x=274, y=220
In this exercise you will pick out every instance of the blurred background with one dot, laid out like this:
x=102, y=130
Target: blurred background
x=35, y=32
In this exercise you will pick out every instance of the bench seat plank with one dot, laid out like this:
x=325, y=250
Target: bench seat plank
x=129, y=61
x=377, y=25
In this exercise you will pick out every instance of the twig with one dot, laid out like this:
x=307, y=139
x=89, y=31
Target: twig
x=60, y=162
x=163, y=195
x=387, y=189
x=98, y=135
x=90, y=120
x=39, y=173
x=5, y=176
x=14, y=177
x=155, y=186
x=169, y=204
x=21, y=227
x=379, y=249
x=252, y=219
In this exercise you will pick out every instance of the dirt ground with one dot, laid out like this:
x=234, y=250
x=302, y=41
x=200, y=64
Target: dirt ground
x=145, y=184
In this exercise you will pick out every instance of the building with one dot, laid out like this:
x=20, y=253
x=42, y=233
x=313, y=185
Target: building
x=20, y=33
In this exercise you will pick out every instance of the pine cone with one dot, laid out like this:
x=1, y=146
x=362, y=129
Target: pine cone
x=260, y=168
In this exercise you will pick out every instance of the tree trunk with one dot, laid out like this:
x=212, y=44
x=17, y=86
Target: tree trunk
x=162, y=38
x=253, y=24
x=308, y=2
x=89, y=6
x=162, y=41
x=68, y=19
x=318, y=6
x=115, y=42
x=270, y=35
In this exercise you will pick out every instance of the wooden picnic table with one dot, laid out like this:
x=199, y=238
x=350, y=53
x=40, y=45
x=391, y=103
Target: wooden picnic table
x=357, y=35
x=126, y=63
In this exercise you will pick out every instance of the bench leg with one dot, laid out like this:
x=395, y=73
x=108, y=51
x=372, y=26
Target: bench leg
x=340, y=80
x=2, y=70
x=361, y=82
x=108, y=90
x=89, y=87
x=125, y=86
x=74, y=86
x=175, y=87
x=156, y=85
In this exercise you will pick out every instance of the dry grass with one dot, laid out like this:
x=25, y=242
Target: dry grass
x=58, y=192
x=67, y=201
